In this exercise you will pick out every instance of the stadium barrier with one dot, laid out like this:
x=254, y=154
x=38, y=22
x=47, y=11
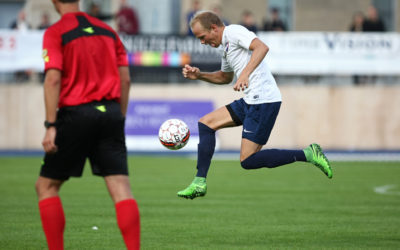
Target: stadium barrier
x=338, y=117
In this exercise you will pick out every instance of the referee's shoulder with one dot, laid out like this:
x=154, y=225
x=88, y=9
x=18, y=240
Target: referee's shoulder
x=54, y=29
x=98, y=22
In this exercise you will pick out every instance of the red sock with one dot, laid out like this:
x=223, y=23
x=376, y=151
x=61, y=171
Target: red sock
x=128, y=219
x=53, y=222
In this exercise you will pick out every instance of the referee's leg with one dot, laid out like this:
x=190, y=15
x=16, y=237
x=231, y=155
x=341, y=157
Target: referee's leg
x=126, y=208
x=47, y=187
x=51, y=211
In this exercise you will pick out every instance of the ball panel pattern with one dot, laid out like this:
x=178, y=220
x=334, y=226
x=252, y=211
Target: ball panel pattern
x=174, y=134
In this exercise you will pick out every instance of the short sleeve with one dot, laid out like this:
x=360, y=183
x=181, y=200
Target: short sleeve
x=243, y=36
x=122, y=58
x=52, y=50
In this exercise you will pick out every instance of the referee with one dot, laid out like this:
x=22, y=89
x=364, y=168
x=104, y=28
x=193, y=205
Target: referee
x=86, y=93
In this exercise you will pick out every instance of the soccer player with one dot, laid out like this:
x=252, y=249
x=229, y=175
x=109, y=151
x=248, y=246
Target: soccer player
x=87, y=80
x=243, y=55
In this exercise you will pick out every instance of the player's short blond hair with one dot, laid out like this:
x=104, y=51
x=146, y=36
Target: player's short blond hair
x=206, y=19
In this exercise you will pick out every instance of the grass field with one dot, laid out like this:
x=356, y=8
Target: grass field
x=291, y=207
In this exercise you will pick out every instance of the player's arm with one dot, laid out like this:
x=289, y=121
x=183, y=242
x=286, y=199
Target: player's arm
x=217, y=77
x=260, y=50
x=51, y=86
x=125, y=85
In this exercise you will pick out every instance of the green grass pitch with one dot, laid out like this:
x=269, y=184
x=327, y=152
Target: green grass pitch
x=291, y=207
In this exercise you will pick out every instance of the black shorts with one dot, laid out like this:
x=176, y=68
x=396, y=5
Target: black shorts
x=94, y=130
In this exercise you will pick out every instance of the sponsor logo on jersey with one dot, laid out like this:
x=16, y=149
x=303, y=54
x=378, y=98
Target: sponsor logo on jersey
x=88, y=30
x=226, y=49
x=45, y=56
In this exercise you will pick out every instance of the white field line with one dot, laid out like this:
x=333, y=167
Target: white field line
x=387, y=190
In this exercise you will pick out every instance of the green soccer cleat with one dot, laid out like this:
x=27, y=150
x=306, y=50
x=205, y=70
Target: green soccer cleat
x=197, y=188
x=315, y=156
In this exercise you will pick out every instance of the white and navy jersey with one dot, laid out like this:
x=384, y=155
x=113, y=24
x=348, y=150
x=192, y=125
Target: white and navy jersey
x=236, y=41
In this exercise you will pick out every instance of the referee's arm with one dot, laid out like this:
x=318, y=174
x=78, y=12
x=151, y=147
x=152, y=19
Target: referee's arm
x=52, y=83
x=125, y=85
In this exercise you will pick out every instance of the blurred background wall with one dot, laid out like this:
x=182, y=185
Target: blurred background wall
x=348, y=118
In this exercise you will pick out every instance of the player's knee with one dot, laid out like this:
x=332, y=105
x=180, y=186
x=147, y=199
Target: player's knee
x=206, y=121
x=246, y=164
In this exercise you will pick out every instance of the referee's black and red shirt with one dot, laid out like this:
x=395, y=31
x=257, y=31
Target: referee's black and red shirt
x=88, y=53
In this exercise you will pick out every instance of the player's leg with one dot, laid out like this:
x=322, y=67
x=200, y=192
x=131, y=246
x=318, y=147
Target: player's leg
x=51, y=211
x=126, y=209
x=252, y=157
x=271, y=158
x=208, y=124
x=257, y=128
x=248, y=148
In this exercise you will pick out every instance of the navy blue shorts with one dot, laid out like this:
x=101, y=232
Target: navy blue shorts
x=93, y=131
x=257, y=119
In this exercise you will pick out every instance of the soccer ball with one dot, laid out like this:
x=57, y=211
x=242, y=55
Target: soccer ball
x=174, y=134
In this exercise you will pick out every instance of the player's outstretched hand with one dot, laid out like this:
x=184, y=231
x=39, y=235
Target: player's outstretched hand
x=190, y=72
x=241, y=84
